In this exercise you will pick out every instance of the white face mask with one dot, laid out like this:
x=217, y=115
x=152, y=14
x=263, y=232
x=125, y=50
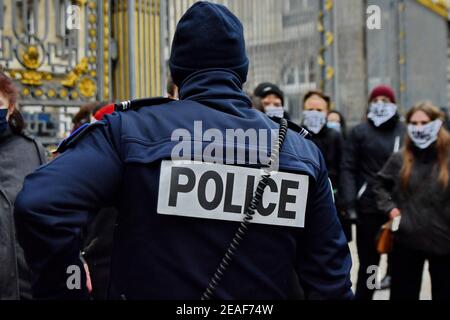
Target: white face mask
x=381, y=112
x=314, y=121
x=273, y=111
x=425, y=136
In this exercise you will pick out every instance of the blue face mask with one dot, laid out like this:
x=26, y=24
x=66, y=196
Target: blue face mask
x=335, y=126
x=3, y=120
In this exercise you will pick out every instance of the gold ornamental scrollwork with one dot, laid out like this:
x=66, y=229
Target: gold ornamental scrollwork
x=87, y=87
x=51, y=62
x=73, y=76
x=31, y=59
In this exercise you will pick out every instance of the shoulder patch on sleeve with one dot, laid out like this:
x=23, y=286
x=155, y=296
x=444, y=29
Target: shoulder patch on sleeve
x=77, y=135
x=140, y=103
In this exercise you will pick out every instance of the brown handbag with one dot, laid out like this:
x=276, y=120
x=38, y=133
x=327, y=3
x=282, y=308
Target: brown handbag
x=385, y=239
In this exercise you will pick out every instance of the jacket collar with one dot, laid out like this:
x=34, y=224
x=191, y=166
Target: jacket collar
x=219, y=89
x=390, y=125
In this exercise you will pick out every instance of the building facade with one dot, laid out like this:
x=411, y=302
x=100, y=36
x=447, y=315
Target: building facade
x=326, y=44
x=411, y=58
x=282, y=42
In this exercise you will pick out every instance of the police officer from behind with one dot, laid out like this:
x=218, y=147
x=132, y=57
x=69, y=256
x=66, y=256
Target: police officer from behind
x=176, y=218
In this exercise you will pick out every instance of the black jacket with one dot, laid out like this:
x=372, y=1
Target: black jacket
x=330, y=142
x=425, y=205
x=19, y=156
x=366, y=151
x=98, y=247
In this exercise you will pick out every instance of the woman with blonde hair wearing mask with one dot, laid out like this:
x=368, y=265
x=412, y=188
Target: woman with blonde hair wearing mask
x=414, y=185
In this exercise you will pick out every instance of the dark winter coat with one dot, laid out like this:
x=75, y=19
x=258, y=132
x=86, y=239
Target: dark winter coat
x=330, y=142
x=366, y=151
x=20, y=155
x=98, y=247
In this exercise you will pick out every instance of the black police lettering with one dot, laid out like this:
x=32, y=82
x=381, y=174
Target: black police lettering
x=225, y=189
x=249, y=191
x=176, y=187
x=271, y=207
x=229, y=206
x=210, y=205
x=285, y=198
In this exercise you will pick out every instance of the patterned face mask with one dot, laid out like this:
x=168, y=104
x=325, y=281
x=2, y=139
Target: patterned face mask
x=273, y=111
x=425, y=136
x=381, y=112
x=314, y=121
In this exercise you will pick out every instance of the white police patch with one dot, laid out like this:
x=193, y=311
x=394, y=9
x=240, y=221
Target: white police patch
x=220, y=192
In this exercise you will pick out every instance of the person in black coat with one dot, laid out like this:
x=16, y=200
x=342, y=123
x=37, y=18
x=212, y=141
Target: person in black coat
x=316, y=107
x=414, y=185
x=367, y=149
x=315, y=111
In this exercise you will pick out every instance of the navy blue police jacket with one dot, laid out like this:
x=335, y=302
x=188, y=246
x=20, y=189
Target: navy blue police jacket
x=117, y=162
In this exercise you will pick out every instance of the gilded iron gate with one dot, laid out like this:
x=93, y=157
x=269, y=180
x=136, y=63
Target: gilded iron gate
x=66, y=53
x=57, y=52
x=139, y=30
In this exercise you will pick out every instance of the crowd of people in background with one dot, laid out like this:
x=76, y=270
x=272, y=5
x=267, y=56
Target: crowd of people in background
x=381, y=169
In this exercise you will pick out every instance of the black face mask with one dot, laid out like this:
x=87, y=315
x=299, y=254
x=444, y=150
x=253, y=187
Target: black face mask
x=3, y=120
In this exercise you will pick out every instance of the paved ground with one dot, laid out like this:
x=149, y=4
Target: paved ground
x=384, y=295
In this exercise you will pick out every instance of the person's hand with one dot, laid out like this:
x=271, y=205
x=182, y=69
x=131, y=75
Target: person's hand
x=394, y=213
x=88, y=278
